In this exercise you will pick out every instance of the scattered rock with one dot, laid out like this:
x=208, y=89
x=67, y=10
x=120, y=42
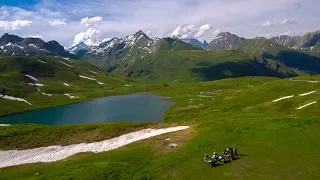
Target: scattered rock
x=173, y=145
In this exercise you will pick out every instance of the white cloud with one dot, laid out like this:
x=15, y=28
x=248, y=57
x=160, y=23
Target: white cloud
x=287, y=21
x=121, y=18
x=14, y=25
x=184, y=31
x=91, y=21
x=90, y=37
x=202, y=30
x=189, y=31
x=36, y=36
x=274, y=23
x=58, y=22
x=286, y=33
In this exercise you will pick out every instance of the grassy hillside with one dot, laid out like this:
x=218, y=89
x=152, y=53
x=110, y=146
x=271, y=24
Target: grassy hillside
x=57, y=76
x=275, y=140
x=172, y=60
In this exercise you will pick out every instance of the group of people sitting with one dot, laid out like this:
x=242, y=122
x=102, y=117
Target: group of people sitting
x=230, y=153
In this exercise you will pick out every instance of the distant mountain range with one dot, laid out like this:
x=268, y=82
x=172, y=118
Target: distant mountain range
x=228, y=41
x=172, y=59
x=11, y=45
x=196, y=42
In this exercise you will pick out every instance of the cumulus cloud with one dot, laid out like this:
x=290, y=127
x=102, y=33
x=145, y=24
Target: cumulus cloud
x=89, y=22
x=275, y=23
x=189, y=31
x=297, y=5
x=202, y=30
x=90, y=37
x=58, y=22
x=14, y=25
x=184, y=31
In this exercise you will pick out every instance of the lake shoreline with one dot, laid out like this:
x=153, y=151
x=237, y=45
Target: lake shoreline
x=133, y=104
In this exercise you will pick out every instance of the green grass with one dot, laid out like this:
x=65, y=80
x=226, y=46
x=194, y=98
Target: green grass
x=53, y=75
x=275, y=140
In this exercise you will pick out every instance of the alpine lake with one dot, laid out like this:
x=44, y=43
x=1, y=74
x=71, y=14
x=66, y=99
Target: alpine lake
x=126, y=108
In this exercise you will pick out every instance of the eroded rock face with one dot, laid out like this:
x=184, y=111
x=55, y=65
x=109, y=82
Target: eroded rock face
x=225, y=41
x=309, y=40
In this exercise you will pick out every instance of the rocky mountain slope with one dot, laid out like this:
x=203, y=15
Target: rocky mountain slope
x=308, y=41
x=225, y=41
x=11, y=45
x=171, y=59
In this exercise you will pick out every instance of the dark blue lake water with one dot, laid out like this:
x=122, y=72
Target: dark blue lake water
x=127, y=108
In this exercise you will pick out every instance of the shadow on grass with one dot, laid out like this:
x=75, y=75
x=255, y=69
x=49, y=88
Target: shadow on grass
x=208, y=71
x=297, y=60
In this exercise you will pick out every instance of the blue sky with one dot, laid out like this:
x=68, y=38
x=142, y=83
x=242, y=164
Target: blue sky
x=19, y=3
x=72, y=21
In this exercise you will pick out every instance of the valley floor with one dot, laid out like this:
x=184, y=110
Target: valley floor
x=276, y=138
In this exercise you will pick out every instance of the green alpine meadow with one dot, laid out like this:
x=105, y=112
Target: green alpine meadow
x=153, y=90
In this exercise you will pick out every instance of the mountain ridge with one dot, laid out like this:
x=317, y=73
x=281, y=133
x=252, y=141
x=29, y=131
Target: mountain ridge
x=12, y=45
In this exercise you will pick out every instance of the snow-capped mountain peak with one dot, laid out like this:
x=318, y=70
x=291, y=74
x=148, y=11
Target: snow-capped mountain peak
x=78, y=47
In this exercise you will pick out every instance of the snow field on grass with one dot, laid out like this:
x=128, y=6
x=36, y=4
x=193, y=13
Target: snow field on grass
x=85, y=77
x=56, y=153
x=32, y=78
x=308, y=93
x=14, y=98
x=286, y=97
x=306, y=105
x=65, y=64
x=43, y=92
x=71, y=97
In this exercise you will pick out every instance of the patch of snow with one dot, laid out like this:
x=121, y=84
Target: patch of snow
x=67, y=59
x=99, y=82
x=42, y=62
x=36, y=84
x=127, y=85
x=167, y=139
x=286, y=97
x=305, y=94
x=5, y=124
x=311, y=48
x=66, y=84
x=307, y=105
x=32, y=78
x=71, y=97
x=43, y=92
x=85, y=77
x=32, y=45
x=313, y=81
x=204, y=96
x=56, y=153
x=14, y=98
x=92, y=72
x=2, y=47
x=65, y=64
